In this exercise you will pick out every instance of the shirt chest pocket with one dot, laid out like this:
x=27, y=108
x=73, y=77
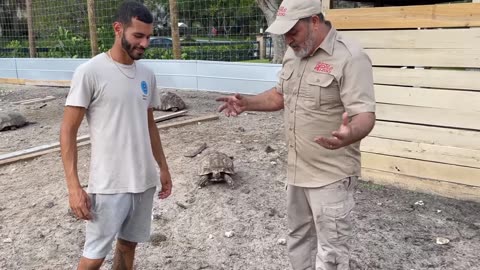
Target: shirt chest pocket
x=321, y=91
x=286, y=80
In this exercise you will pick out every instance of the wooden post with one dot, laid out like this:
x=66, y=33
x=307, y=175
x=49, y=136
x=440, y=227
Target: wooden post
x=92, y=23
x=31, y=35
x=261, y=45
x=174, y=27
x=326, y=4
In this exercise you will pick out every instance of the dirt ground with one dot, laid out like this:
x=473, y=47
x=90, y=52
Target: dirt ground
x=393, y=229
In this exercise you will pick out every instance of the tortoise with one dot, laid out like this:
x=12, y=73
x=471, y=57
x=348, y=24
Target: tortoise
x=11, y=120
x=216, y=167
x=171, y=102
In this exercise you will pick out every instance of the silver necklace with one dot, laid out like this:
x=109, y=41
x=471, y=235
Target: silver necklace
x=120, y=69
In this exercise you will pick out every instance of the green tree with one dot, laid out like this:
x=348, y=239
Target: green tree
x=230, y=17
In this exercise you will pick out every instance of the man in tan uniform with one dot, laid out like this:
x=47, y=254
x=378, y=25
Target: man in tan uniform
x=326, y=90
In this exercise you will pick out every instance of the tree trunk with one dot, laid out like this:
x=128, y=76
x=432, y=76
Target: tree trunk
x=269, y=9
x=92, y=23
x=174, y=27
x=31, y=35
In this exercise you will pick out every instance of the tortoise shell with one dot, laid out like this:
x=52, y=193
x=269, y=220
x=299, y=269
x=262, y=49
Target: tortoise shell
x=171, y=102
x=216, y=163
x=11, y=120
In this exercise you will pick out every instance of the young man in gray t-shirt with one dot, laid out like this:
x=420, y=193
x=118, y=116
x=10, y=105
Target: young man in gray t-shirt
x=117, y=95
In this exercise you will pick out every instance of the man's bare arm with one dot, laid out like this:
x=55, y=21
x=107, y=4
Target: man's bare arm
x=159, y=156
x=78, y=198
x=72, y=118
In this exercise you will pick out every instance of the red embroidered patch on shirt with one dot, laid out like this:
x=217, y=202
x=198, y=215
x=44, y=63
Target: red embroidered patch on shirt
x=282, y=11
x=323, y=67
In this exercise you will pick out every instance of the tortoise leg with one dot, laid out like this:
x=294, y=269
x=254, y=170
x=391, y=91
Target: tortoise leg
x=203, y=180
x=229, y=180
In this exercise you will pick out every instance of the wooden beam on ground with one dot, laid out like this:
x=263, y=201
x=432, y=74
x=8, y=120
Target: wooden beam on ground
x=58, y=83
x=12, y=81
x=38, y=150
x=28, y=100
x=34, y=100
x=84, y=140
x=189, y=121
x=425, y=16
x=170, y=116
x=48, y=150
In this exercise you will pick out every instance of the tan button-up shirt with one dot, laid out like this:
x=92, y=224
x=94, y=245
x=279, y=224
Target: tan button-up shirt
x=317, y=89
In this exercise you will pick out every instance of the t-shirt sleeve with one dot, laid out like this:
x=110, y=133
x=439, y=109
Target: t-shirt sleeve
x=155, y=99
x=81, y=89
x=356, y=86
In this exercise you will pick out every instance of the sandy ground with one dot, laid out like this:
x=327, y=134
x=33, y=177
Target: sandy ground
x=393, y=230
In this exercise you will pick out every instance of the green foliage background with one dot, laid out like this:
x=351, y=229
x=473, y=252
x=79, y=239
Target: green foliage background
x=61, y=27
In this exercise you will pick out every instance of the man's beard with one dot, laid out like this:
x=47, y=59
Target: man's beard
x=309, y=45
x=128, y=47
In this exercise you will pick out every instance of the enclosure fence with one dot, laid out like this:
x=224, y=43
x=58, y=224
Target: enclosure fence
x=209, y=30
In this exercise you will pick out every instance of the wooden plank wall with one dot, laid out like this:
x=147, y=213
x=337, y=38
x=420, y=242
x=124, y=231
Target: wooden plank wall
x=427, y=85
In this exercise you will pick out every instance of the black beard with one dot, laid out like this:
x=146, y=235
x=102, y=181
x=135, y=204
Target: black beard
x=129, y=49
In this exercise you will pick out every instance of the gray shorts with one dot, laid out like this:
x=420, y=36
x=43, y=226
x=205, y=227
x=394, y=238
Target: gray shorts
x=126, y=215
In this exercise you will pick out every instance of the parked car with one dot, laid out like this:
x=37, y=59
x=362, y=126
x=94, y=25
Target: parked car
x=161, y=42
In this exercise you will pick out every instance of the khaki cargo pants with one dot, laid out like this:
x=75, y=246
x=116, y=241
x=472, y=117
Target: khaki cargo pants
x=320, y=227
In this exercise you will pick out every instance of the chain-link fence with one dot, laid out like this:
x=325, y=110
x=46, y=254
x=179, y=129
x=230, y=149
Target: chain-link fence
x=220, y=30
x=224, y=30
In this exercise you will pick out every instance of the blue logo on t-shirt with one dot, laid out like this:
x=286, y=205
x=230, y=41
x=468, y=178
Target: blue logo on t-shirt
x=144, y=87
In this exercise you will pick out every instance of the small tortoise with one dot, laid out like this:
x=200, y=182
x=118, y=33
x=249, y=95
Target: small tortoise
x=215, y=167
x=11, y=120
x=171, y=102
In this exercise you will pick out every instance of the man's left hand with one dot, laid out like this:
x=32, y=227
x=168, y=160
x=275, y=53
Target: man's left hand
x=339, y=138
x=166, y=181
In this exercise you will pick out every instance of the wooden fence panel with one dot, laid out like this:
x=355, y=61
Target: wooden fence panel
x=435, y=78
x=466, y=139
x=466, y=38
x=422, y=151
x=453, y=58
x=467, y=101
x=422, y=169
x=429, y=116
x=415, y=183
x=425, y=16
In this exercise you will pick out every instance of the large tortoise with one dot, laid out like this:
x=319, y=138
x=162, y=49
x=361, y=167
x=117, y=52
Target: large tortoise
x=170, y=102
x=11, y=120
x=215, y=167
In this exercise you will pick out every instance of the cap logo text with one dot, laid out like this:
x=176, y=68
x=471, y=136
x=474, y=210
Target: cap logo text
x=282, y=11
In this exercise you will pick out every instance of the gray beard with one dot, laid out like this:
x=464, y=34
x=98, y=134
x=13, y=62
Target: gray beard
x=309, y=46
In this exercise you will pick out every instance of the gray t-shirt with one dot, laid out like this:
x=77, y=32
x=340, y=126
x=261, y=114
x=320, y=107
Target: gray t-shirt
x=121, y=156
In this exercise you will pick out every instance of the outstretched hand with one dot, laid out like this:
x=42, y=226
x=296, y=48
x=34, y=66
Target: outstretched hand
x=340, y=137
x=233, y=105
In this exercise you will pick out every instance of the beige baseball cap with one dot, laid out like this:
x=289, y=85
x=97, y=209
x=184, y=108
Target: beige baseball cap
x=290, y=11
